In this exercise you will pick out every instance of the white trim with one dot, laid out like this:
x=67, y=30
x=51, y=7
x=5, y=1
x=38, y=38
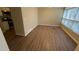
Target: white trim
x=20, y=34
x=36, y=26
x=30, y=30
x=48, y=25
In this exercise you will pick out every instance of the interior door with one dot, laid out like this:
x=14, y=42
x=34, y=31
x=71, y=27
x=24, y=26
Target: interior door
x=17, y=20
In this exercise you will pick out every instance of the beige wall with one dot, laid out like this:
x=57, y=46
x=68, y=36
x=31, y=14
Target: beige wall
x=50, y=16
x=3, y=44
x=30, y=18
x=34, y=16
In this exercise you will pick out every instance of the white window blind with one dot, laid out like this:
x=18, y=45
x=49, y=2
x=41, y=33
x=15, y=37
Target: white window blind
x=71, y=19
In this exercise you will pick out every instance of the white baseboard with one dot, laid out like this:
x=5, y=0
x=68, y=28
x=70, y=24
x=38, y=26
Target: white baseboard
x=48, y=25
x=30, y=30
x=36, y=26
x=20, y=34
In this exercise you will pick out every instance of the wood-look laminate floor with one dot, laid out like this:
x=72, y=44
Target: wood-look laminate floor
x=42, y=38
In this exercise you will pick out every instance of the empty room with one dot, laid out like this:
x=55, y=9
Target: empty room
x=39, y=28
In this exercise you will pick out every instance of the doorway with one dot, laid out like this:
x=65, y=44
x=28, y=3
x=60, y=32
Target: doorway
x=7, y=24
x=10, y=22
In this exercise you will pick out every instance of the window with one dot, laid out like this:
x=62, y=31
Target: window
x=71, y=19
